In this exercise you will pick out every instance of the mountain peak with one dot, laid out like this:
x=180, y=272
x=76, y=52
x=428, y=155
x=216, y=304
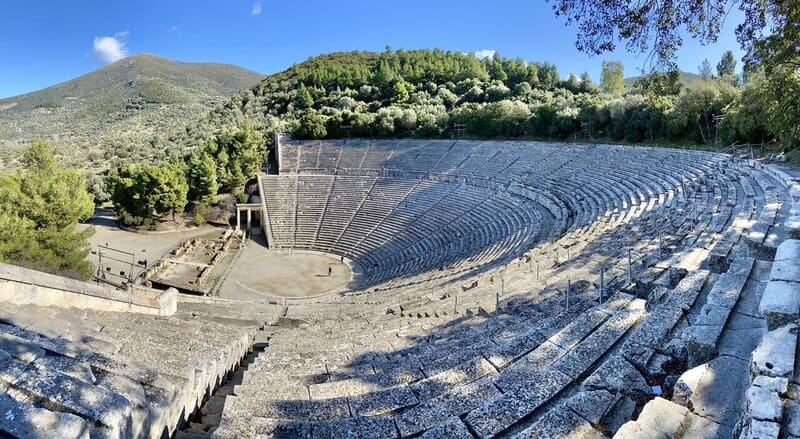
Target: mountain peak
x=139, y=96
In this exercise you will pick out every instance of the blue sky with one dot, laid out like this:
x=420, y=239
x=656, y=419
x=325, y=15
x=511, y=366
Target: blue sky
x=46, y=42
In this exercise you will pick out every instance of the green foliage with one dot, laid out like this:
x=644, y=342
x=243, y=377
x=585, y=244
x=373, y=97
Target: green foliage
x=312, y=126
x=423, y=92
x=612, y=77
x=98, y=187
x=238, y=155
x=399, y=91
x=697, y=105
x=704, y=69
x=726, y=67
x=146, y=191
x=40, y=207
x=768, y=33
x=201, y=176
x=135, y=109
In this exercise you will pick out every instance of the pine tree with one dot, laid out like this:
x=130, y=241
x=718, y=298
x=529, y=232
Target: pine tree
x=612, y=77
x=201, y=175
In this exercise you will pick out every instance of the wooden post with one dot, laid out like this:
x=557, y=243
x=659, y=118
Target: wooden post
x=455, y=305
x=238, y=219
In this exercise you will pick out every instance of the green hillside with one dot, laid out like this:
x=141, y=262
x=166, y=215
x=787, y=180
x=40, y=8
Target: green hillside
x=119, y=107
x=686, y=78
x=423, y=93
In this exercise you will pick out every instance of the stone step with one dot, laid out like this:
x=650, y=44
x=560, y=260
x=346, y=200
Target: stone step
x=532, y=387
x=454, y=402
x=780, y=302
x=560, y=422
x=107, y=411
x=702, y=336
x=21, y=420
x=453, y=428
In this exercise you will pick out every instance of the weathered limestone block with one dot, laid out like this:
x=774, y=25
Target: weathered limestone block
x=513, y=349
x=701, y=338
x=659, y=418
x=20, y=348
x=792, y=226
x=420, y=418
x=792, y=418
x=503, y=411
x=20, y=420
x=618, y=376
x=521, y=371
x=470, y=370
x=453, y=428
x=786, y=270
x=775, y=354
x=560, y=422
x=356, y=428
x=619, y=413
x=69, y=366
x=788, y=249
x=761, y=430
x=383, y=401
x=686, y=385
x=290, y=409
x=726, y=289
x=95, y=404
x=778, y=385
x=780, y=303
x=245, y=427
x=636, y=354
x=591, y=405
x=578, y=359
x=763, y=404
x=657, y=325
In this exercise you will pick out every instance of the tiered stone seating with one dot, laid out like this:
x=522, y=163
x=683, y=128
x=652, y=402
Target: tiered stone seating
x=396, y=227
x=464, y=324
x=77, y=374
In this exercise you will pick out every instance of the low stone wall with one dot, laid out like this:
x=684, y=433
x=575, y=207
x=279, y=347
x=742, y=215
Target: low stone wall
x=772, y=363
x=23, y=286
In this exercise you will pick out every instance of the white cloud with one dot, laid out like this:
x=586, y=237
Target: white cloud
x=110, y=49
x=485, y=53
x=172, y=29
x=122, y=34
x=256, y=8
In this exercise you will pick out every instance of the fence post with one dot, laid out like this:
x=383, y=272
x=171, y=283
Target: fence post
x=455, y=305
x=569, y=285
x=630, y=267
x=602, y=283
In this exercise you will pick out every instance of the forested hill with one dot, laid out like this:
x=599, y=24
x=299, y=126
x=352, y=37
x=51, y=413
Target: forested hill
x=422, y=93
x=117, y=110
